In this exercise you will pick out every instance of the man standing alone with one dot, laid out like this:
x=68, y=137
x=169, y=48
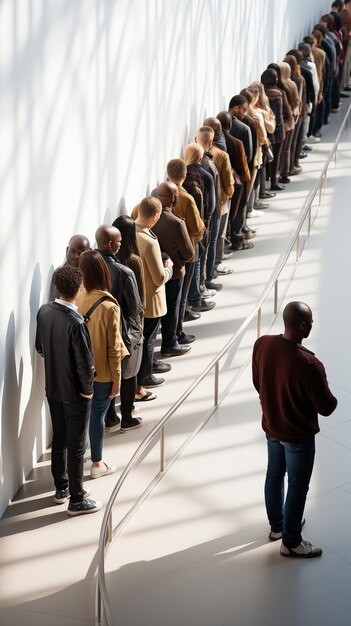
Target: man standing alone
x=293, y=389
x=63, y=340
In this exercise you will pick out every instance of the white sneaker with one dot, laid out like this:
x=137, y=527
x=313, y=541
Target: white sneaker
x=223, y=269
x=208, y=293
x=98, y=472
x=305, y=550
x=255, y=213
x=312, y=139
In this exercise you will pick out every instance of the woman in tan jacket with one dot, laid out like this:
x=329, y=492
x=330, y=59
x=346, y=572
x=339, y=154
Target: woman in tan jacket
x=104, y=325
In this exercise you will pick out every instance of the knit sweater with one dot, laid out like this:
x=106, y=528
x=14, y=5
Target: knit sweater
x=293, y=388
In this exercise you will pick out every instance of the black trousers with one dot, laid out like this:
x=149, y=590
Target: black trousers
x=189, y=273
x=69, y=424
x=169, y=322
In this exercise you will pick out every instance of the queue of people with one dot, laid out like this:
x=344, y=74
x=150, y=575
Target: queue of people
x=158, y=269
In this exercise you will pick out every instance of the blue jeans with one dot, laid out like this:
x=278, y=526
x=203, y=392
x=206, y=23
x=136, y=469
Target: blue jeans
x=99, y=406
x=212, y=246
x=297, y=460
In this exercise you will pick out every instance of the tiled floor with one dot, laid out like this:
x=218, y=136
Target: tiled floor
x=196, y=553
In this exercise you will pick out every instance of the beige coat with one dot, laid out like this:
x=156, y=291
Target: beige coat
x=104, y=328
x=156, y=275
x=222, y=163
x=187, y=210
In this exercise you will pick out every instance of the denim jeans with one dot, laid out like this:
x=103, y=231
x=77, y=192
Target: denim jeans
x=69, y=423
x=212, y=246
x=99, y=406
x=297, y=460
x=151, y=325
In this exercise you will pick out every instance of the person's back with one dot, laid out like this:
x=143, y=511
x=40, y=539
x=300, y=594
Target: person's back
x=61, y=332
x=292, y=385
x=293, y=389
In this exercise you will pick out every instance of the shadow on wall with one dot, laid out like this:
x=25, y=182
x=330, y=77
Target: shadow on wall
x=22, y=441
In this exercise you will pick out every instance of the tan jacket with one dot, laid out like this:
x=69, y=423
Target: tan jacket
x=187, y=210
x=104, y=328
x=222, y=163
x=156, y=275
x=319, y=59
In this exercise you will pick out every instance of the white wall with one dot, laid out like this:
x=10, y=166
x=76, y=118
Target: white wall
x=96, y=96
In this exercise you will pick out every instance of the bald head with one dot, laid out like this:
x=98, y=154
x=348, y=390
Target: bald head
x=225, y=119
x=108, y=238
x=76, y=245
x=298, y=321
x=167, y=193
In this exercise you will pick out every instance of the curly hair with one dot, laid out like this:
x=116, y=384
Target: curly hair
x=67, y=280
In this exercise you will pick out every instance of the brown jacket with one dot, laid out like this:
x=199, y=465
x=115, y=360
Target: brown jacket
x=319, y=59
x=187, y=210
x=222, y=163
x=156, y=275
x=237, y=156
x=173, y=238
x=104, y=328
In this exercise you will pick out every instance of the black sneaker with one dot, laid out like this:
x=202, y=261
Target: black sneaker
x=83, y=507
x=152, y=381
x=61, y=495
x=111, y=427
x=131, y=424
x=160, y=367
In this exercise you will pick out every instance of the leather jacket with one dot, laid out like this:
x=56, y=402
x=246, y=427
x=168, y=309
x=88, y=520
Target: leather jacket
x=63, y=340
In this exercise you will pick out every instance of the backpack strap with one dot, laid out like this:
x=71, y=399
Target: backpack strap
x=92, y=308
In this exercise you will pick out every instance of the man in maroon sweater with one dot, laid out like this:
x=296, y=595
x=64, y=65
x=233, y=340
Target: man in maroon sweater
x=293, y=389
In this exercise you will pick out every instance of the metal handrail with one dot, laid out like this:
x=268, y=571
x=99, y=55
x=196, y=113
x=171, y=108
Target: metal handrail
x=107, y=534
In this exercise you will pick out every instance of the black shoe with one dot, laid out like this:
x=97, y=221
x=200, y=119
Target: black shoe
x=159, y=367
x=284, y=179
x=266, y=194
x=303, y=155
x=152, y=381
x=176, y=350
x=185, y=339
x=344, y=95
x=277, y=187
x=111, y=419
x=83, y=507
x=317, y=134
x=307, y=148
x=216, y=286
x=204, y=305
x=191, y=316
x=244, y=245
x=61, y=495
x=131, y=424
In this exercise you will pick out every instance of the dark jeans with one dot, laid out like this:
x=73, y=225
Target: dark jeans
x=212, y=246
x=101, y=402
x=194, y=295
x=318, y=122
x=169, y=322
x=297, y=460
x=238, y=222
x=189, y=272
x=69, y=424
x=297, y=131
x=150, y=332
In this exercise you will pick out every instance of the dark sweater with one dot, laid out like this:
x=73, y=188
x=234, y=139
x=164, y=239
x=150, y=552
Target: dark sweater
x=293, y=388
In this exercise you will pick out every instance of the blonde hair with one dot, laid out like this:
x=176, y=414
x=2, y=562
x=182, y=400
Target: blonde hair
x=263, y=101
x=193, y=153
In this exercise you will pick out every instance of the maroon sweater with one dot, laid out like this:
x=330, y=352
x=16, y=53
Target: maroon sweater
x=293, y=388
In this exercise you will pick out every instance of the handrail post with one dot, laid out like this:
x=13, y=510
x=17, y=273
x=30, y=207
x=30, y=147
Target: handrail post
x=276, y=297
x=216, y=384
x=309, y=220
x=109, y=528
x=162, y=449
x=297, y=248
x=259, y=317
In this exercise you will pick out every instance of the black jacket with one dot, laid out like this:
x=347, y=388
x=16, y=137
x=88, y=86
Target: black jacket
x=63, y=340
x=124, y=287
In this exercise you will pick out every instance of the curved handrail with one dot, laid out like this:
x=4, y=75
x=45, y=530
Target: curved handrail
x=106, y=533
